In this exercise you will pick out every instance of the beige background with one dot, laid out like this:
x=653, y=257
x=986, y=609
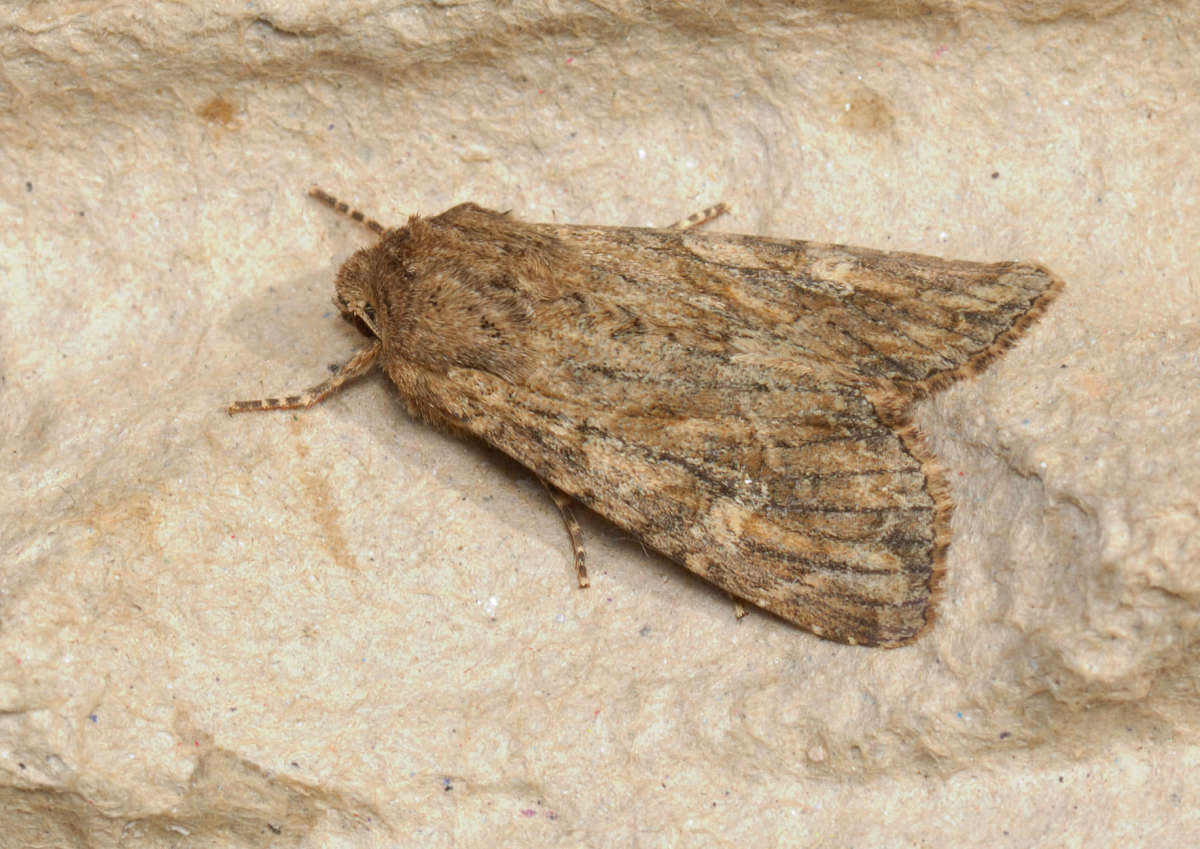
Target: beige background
x=339, y=628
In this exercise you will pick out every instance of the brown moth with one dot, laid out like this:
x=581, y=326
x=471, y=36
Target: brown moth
x=738, y=403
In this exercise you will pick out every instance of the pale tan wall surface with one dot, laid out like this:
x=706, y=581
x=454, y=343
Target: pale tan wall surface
x=340, y=628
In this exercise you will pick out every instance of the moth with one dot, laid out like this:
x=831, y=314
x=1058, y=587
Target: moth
x=738, y=403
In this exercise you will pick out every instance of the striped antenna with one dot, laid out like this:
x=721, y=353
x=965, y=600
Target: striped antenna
x=347, y=210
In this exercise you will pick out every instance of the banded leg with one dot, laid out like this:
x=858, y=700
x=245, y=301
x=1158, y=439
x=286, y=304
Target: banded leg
x=563, y=502
x=359, y=364
x=702, y=217
x=347, y=210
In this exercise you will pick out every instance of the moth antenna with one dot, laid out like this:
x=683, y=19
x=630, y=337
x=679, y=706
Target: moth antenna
x=346, y=209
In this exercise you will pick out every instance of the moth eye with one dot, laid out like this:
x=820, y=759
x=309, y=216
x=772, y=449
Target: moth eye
x=369, y=311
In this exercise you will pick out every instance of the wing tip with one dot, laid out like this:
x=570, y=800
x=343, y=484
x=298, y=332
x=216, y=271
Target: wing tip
x=893, y=407
x=1050, y=287
x=893, y=411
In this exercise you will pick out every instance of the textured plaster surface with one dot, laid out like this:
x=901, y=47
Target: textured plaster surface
x=339, y=628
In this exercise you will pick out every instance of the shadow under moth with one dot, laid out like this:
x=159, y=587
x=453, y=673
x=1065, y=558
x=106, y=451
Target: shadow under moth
x=738, y=403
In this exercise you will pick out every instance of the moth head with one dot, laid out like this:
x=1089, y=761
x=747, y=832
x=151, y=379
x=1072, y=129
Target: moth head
x=459, y=290
x=356, y=297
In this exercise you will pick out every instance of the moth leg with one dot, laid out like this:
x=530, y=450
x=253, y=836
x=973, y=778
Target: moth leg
x=359, y=363
x=347, y=210
x=739, y=610
x=702, y=217
x=563, y=502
